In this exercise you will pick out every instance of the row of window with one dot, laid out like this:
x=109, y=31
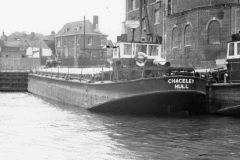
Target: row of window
x=75, y=29
x=231, y=49
x=213, y=34
x=89, y=42
x=133, y=4
x=89, y=54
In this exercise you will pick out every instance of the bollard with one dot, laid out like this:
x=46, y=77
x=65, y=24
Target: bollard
x=225, y=77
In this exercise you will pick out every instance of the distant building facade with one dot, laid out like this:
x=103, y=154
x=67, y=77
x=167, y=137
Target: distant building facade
x=69, y=41
x=34, y=43
x=194, y=32
x=11, y=49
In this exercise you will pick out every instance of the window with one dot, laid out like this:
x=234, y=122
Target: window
x=115, y=52
x=144, y=24
x=169, y=6
x=152, y=50
x=89, y=54
x=76, y=29
x=64, y=30
x=175, y=38
x=103, y=42
x=78, y=40
x=63, y=41
x=132, y=5
x=188, y=35
x=174, y=42
x=214, y=32
x=89, y=41
x=141, y=48
x=58, y=44
x=231, y=49
x=238, y=49
x=157, y=19
x=127, y=49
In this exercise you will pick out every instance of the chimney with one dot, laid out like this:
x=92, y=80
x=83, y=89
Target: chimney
x=123, y=28
x=95, y=23
x=32, y=34
x=3, y=36
x=53, y=33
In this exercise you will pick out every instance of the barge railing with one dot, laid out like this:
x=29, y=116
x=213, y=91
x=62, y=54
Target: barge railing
x=80, y=73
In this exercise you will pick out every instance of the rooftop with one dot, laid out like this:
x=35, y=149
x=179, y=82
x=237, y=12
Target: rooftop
x=77, y=27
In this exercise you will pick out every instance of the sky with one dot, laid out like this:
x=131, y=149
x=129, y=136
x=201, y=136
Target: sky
x=44, y=16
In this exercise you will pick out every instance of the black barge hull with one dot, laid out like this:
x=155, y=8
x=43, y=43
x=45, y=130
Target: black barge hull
x=160, y=95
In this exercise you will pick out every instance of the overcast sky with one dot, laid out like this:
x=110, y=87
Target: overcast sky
x=44, y=16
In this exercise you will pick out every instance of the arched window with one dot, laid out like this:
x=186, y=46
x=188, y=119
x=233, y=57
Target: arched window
x=174, y=37
x=157, y=18
x=187, y=35
x=214, y=32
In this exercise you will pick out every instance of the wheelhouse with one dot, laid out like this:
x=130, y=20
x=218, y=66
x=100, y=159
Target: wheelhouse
x=128, y=50
x=233, y=59
x=233, y=50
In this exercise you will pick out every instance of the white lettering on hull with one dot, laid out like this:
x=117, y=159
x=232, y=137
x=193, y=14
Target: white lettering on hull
x=189, y=81
x=181, y=86
x=181, y=83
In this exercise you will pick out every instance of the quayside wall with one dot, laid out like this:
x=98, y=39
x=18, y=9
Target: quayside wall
x=13, y=81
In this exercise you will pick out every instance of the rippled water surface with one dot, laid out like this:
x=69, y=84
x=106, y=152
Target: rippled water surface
x=35, y=129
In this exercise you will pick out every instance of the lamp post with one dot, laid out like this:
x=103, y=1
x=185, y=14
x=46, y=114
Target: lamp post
x=133, y=25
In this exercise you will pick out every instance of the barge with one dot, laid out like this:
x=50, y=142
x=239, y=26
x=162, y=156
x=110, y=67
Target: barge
x=224, y=96
x=137, y=83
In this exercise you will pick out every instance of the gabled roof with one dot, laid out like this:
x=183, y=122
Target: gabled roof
x=50, y=37
x=20, y=35
x=38, y=43
x=12, y=43
x=73, y=28
x=26, y=40
x=109, y=43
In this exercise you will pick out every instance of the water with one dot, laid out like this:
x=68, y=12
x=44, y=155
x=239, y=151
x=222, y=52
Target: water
x=33, y=128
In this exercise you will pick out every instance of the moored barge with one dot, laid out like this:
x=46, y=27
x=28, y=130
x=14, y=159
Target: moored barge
x=140, y=82
x=224, y=96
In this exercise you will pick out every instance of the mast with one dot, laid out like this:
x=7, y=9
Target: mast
x=163, y=34
x=84, y=34
x=148, y=32
x=140, y=19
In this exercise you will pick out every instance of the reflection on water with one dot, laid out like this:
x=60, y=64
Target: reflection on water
x=33, y=128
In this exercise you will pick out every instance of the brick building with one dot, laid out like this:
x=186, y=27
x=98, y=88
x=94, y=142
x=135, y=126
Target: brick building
x=195, y=32
x=155, y=16
x=69, y=41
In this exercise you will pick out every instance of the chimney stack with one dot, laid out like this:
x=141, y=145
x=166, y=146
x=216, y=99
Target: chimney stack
x=3, y=38
x=123, y=28
x=95, y=22
x=32, y=34
x=53, y=33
